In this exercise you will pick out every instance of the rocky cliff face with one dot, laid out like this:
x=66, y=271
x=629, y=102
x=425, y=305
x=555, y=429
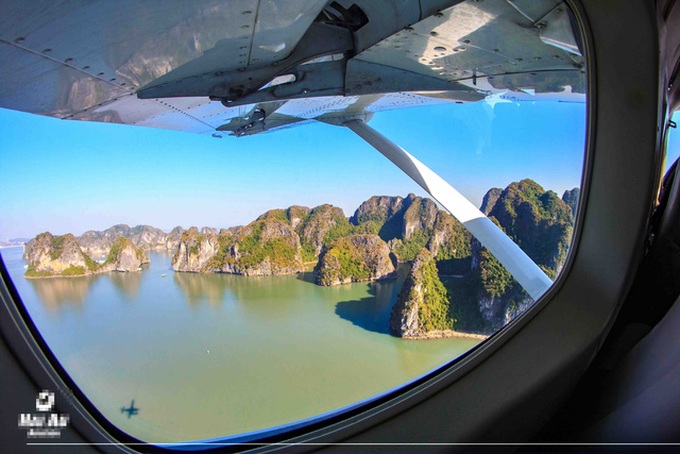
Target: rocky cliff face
x=124, y=256
x=363, y=248
x=381, y=215
x=58, y=256
x=355, y=258
x=62, y=256
x=296, y=215
x=98, y=243
x=321, y=226
x=194, y=251
x=411, y=223
x=267, y=246
x=172, y=239
x=396, y=217
x=537, y=220
x=419, y=217
x=423, y=304
x=541, y=224
x=490, y=199
x=147, y=238
x=450, y=244
x=262, y=248
x=28, y=245
x=570, y=197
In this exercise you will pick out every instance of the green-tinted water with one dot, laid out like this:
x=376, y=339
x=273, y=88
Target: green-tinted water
x=205, y=356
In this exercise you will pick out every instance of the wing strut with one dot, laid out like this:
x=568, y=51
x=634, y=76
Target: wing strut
x=522, y=268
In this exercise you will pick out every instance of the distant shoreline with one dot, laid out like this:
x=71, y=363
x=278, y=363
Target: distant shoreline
x=59, y=276
x=447, y=334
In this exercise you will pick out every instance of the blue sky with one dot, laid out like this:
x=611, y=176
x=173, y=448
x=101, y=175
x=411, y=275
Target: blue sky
x=69, y=176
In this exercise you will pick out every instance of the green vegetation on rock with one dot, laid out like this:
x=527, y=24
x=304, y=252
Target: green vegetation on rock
x=354, y=258
x=423, y=304
x=350, y=262
x=254, y=248
x=541, y=224
x=308, y=251
x=266, y=246
x=60, y=255
x=31, y=272
x=275, y=215
x=226, y=241
x=434, y=312
x=125, y=256
x=495, y=279
x=321, y=226
x=356, y=249
x=73, y=271
x=57, y=246
x=407, y=249
x=116, y=248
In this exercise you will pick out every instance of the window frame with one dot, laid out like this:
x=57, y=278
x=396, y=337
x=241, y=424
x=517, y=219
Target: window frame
x=387, y=417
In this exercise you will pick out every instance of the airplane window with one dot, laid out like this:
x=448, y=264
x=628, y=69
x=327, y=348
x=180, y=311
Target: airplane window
x=203, y=286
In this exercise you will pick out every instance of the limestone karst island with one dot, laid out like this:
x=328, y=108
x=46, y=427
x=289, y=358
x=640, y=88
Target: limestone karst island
x=452, y=286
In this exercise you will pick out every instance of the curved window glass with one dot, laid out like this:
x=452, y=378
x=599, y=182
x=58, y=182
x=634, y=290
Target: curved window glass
x=197, y=286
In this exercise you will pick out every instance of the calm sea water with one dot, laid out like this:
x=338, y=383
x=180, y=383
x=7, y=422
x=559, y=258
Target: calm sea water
x=205, y=356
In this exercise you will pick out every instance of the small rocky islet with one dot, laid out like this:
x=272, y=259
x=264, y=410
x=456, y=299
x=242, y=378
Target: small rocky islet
x=453, y=283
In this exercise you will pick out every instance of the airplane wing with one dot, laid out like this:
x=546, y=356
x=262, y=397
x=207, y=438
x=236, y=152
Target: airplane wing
x=245, y=67
x=249, y=66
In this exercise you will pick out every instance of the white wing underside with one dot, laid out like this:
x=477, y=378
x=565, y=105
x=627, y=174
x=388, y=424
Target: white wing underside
x=88, y=61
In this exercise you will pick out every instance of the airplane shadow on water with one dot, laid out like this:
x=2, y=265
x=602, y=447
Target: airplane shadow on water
x=131, y=410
